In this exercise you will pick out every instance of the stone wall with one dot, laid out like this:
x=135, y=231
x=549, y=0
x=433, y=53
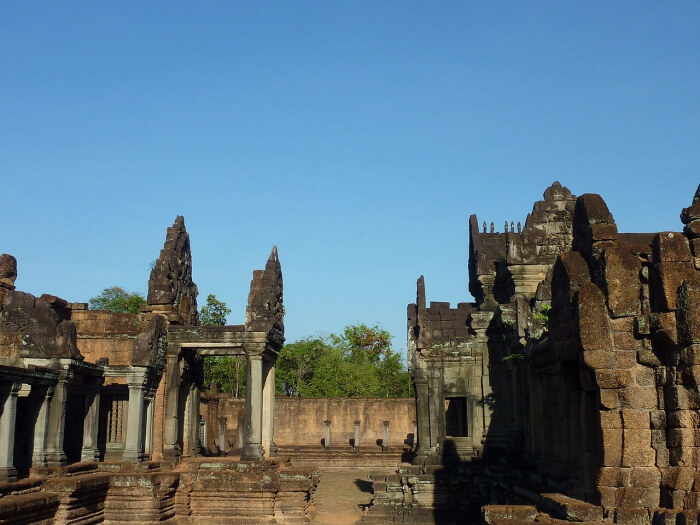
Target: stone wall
x=301, y=422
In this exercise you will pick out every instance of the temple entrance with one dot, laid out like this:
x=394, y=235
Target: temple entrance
x=456, y=417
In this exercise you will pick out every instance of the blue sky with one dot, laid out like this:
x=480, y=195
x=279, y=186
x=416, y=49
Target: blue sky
x=357, y=136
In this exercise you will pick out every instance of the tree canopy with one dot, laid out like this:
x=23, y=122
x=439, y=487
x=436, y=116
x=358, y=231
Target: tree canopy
x=228, y=372
x=357, y=363
x=117, y=299
x=214, y=312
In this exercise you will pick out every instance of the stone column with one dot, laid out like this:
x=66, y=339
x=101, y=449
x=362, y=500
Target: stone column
x=423, y=418
x=55, y=456
x=8, y=418
x=195, y=438
x=90, y=451
x=436, y=406
x=253, y=417
x=268, y=425
x=385, y=440
x=356, y=439
x=135, y=426
x=327, y=440
x=171, y=448
x=148, y=439
x=41, y=429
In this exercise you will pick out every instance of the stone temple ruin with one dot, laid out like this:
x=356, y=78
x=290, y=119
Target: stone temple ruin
x=99, y=411
x=568, y=391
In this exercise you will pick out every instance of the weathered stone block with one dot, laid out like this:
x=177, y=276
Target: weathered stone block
x=647, y=357
x=594, y=323
x=626, y=341
x=667, y=277
x=520, y=513
x=683, y=418
x=614, y=477
x=691, y=213
x=614, y=378
x=635, y=418
x=682, y=456
x=645, y=477
x=637, y=450
x=612, y=447
x=633, y=516
x=688, y=313
x=692, y=229
x=657, y=418
x=645, y=376
x=679, y=397
x=679, y=478
x=637, y=497
x=670, y=247
x=610, y=419
x=638, y=397
x=609, y=399
x=597, y=359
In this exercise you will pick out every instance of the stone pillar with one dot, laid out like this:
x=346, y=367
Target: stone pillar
x=385, y=440
x=171, y=447
x=8, y=418
x=268, y=425
x=252, y=449
x=423, y=419
x=135, y=426
x=436, y=407
x=55, y=456
x=90, y=451
x=327, y=438
x=356, y=439
x=195, y=438
x=41, y=429
x=148, y=443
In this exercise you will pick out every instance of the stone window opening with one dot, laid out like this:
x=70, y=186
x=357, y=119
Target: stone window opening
x=456, y=417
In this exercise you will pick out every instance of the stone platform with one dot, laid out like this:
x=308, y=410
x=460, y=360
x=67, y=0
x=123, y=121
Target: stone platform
x=212, y=490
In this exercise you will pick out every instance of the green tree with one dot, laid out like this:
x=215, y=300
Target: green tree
x=214, y=312
x=116, y=299
x=357, y=363
x=229, y=372
x=296, y=365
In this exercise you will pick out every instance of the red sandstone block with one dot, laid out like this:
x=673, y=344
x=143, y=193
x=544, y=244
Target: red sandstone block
x=610, y=419
x=613, y=378
x=599, y=359
x=612, y=447
x=678, y=478
x=645, y=477
x=614, y=477
x=671, y=247
x=638, y=397
x=636, y=497
x=635, y=418
x=609, y=399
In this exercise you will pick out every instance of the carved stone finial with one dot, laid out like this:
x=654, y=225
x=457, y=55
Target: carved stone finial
x=484, y=226
x=520, y=227
x=492, y=227
x=170, y=288
x=505, y=227
x=420, y=293
x=265, y=311
x=512, y=227
x=556, y=192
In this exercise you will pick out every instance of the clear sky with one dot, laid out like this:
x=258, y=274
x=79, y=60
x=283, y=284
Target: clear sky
x=357, y=136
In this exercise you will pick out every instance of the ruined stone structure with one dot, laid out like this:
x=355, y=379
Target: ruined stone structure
x=320, y=432
x=99, y=411
x=569, y=388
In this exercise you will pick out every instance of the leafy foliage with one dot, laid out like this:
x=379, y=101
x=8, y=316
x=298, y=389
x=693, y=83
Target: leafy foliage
x=357, y=363
x=228, y=372
x=116, y=299
x=214, y=312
